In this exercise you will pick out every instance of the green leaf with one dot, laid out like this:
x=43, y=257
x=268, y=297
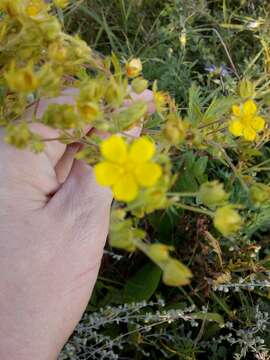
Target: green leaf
x=193, y=174
x=143, y=284
x=194, y=107
x=218, y=108
x=209, y=317
x=199, y=168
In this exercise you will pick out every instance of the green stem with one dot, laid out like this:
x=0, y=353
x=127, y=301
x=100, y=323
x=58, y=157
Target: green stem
x=195, y=209
x=183, y=194
x=231, y=165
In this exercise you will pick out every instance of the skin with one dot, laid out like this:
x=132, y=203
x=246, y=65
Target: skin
x=54, y=221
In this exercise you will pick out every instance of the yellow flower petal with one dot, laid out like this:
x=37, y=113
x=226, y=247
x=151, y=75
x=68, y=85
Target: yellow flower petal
x=147, y=174
x=114, y=149
x=236, y=110
x=107, y=173
x=141, y=150
x=249, y=108
x=236, y=127
x=249, y=134
x=258, y=123
x=125, y=189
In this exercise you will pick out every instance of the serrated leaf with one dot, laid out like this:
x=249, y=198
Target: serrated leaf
x=195, y=114
x=218, y=108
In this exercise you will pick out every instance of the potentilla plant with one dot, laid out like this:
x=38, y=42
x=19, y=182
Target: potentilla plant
x=39, y=60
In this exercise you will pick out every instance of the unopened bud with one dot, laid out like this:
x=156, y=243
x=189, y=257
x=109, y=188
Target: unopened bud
x=21, y=79
x=260, y=193
x=227, y=220
x=114, y=94
x=89, y=110
x=139, y=85
x=246, y=89
x=176, y=274
x=183, y=39
x=134, y=68
x=212, y=194
x=51, y=28
x=159, y=252
x=57, y=52
x=174, y=130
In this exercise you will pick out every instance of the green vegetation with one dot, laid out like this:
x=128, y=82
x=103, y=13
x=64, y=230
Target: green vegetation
x=197, y=50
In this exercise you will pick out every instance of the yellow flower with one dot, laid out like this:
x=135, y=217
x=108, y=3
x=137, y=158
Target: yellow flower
x=245, y=121
x=160, y=99
x=127, y=168
x=134, y=68
x=35, y=7
x=12, y=7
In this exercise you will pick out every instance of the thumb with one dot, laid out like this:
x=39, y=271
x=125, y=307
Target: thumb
x=83, y=207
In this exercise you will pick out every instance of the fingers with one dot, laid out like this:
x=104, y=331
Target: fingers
x=53, y=149
x=147, y=96
x=81, y=204
x=60, y=155
x=64, y=165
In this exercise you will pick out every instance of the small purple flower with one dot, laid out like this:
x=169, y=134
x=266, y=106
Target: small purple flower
x=222, y=70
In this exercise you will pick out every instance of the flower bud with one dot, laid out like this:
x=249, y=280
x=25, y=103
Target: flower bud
x=93, y=90
x=246, y=89
x=260, y=193
x=21, y=79
x=35, y=7
x=89, y=110
x=18, y=135
x=160, y=99
x=159, y=252
x=134, y=68
x=176, y=274
x=50, y=28
x=227, y=220
x=57, y=52
x=174, y=130
x=121, y=235
x=114, y=94
x=183, y=39
x=155, y=199
x=124, y=236
x=212, y=194
x=12, y=7
x=61, y=116
x=81, y=49
x=139, y=85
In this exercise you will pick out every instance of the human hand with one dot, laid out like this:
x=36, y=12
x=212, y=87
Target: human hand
x=54, y=222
